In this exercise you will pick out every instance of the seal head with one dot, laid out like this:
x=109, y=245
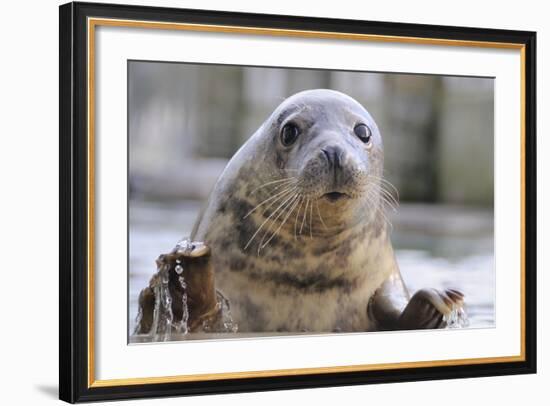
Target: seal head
x=319, y=146
x=330, y=150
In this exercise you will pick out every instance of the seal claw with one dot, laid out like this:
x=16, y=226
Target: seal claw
x=428, y=309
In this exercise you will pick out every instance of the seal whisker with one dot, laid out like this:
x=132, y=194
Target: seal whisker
x=385, y=196
x=388, y=204
x=390, y=185
x=310, y=220
x=283, y=181
x=304, y=217
x=385, y=199
x=385, y=217
x=284, y=185
x=387, y=187
x=297, y=215
x=370, y=200
x=292, y=206
x=266, y=220
x=292, y=183
x=387, y=183
x=388, y=196
x=277, y=197
x=379, y=208
x=288, y=202
x=320, y=217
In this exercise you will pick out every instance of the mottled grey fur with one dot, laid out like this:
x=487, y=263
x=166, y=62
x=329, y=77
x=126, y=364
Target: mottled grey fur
x=317, y=270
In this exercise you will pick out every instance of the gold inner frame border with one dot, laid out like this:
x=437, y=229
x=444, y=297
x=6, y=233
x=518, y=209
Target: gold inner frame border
x=94, y=22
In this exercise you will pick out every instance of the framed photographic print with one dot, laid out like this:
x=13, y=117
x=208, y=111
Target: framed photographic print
x=256, y=202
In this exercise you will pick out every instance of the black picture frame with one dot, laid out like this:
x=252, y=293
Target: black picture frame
x=74, y=384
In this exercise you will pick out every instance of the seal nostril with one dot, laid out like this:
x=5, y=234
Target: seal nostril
x=333, y=155
x=327, y=155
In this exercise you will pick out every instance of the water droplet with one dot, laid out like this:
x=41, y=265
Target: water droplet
x=182, y=326
x=183, y=245
x=457, y=318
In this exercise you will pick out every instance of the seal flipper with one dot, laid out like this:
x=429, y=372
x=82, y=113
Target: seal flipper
x=386, y=305
x=190, y=285
x=146, y=303
x=428, y=308
x=391, y=308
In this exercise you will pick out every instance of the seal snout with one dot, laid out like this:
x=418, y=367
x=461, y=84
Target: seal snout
x=334, y=155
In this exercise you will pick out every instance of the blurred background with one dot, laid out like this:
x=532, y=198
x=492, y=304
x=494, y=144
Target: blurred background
x=187, y=120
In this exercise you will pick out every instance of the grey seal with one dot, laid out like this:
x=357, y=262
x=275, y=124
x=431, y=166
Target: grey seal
x=297, y=232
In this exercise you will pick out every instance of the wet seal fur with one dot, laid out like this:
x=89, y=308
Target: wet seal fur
x=298, y=236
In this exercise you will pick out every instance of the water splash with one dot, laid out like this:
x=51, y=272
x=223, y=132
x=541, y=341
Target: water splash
x=182, y=327
x=457, y=318
x=224, y=322
x=227, y=320
x=163, y=318
x=138, y=319
x=161, y=328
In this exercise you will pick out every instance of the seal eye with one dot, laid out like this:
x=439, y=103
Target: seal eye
x=363, y=133
x=289, y=134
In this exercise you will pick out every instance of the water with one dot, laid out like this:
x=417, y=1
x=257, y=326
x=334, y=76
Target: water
x=436, y=246
x=165, y=326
